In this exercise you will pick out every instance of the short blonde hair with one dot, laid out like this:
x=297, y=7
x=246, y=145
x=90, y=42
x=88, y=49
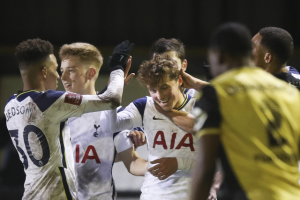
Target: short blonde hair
x=86, y=52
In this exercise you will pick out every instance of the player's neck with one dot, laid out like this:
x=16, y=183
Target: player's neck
x=180, y=101
x=275, y=68
x=89, y=91
x=33, y=84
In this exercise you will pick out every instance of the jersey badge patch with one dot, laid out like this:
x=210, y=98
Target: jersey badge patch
x=73, y=98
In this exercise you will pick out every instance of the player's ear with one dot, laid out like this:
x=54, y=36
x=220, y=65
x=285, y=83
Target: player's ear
x=268, y=58
x=180, y=81
x=221, y=57
x=184, y=65
x=91, y=73
x=44, y=72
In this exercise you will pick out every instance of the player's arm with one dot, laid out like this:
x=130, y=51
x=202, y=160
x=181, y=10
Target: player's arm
x=128, y=119
x=192, y=82
x=182, y=119
x=65, y=105
x=138, y=137
x=126, y=153
x=135, y=165
x=207, y=125
x=117, y=63
x=167, y=166
x=205, y=166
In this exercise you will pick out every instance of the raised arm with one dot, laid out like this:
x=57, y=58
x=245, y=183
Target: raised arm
x=127, y=119
x=192, y=82
x=117, y=63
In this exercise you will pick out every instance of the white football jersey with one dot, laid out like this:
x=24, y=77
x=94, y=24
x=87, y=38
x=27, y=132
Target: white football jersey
x=164, y=139
x=35, y=121
x=191, y=92
x=94, y=153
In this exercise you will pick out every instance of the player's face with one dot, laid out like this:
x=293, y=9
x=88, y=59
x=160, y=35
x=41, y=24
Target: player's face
x=74, y=75
x=52, y=75
x=216, y=66
x=258, y=51
x=167, y=94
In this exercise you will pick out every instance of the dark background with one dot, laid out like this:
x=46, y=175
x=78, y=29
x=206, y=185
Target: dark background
x=106, y=23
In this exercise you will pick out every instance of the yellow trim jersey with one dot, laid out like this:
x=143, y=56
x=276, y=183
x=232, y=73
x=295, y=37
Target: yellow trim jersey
x=257, y=118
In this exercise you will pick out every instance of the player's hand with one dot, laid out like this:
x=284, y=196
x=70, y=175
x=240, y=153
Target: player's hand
x=188, y=80
x=128, y=66
x=120, y=56
x=212, y=195
x=126, y=77
x=165, y=167
x=162, y=111
x=138, y=138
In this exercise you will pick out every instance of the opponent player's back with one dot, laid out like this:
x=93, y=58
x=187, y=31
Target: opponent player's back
x=259, y=133
x=38, y=138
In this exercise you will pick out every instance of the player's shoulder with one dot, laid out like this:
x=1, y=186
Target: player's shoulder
x=11, y=98
x=141, y=103
x=292, y=70
x=42, y=99
x=191, y=92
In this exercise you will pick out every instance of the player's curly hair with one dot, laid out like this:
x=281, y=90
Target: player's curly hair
x=152, y=72
x=33, y=50
x=86, y=52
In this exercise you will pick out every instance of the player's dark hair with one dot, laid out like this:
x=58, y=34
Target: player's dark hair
x=33, y=50
x=163, y=45
x=278, y=41
x=152, y=72
x=233, y=39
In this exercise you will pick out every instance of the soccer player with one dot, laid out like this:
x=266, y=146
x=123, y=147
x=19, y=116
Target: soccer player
x=94, y=150
x=175, y=49
x=164, y=139
x=35, y=117
x=272, y=48
x=249, y=119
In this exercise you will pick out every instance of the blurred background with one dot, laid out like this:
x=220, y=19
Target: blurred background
x=106, y=24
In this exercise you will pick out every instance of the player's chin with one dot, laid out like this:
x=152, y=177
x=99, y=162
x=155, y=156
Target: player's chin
x=167, y=108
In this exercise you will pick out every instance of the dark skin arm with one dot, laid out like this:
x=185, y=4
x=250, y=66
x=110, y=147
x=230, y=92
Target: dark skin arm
x=182, y=119
x=205, y=167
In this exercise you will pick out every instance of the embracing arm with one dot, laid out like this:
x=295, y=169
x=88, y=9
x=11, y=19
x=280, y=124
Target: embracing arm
x=205, y=167
x=182, y=119
x=192, y=82
x=135, y=165
x=111, y=98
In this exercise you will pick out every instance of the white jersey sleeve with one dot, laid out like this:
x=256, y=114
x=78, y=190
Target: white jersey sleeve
x=129, y=118
x=122, y=141
x=74, y=105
